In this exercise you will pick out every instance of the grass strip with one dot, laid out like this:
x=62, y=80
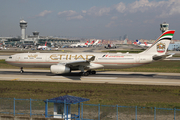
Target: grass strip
x=105, y=94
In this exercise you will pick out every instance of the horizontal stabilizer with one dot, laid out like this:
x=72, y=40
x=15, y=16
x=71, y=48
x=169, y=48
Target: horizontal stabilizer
x=162, y=56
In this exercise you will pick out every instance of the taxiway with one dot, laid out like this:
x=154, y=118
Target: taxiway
x=111, y=77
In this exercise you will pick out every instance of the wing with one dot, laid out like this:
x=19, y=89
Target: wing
x=76, y=64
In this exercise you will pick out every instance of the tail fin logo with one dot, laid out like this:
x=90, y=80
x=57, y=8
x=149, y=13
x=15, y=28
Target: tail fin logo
x=161, y=47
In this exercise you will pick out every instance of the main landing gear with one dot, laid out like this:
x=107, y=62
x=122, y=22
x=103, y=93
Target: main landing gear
x=21, y=71
x=89, y=72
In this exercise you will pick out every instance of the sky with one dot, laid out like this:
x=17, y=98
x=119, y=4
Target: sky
x=100, y=19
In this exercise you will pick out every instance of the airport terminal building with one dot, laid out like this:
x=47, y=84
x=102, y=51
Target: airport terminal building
x=35, y=39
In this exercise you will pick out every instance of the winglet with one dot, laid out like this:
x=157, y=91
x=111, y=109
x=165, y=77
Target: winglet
x=91, y=59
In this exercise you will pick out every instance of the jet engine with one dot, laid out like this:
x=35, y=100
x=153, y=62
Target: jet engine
x=59, y=69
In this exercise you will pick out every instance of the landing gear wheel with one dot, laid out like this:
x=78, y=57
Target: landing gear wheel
x=86, y=73
x=21, y=71
x=81, y=73
x=93, y=72
x=90, y=72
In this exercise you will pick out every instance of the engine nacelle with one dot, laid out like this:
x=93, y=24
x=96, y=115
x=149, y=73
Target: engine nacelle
x=94, y=66
x=59, y=69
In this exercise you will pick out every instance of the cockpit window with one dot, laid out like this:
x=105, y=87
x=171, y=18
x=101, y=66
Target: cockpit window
x=10, y=57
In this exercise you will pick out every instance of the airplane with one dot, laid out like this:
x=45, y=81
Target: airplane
x=52, y=44
x=92, y=42
x=80, y=44
x=137, y=42
x=97, y=42
x=140, y=44
x=109, y=46
x=45, y=47
x=2, y=48
x=73, y=45
x=147, y=45
x=86, y=43
x=42, y=47
x=60, y=63
x=89, y=44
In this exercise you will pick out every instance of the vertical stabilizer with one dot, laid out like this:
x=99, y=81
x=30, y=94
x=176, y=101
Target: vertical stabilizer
x=86, y=43
x=160, y=46
x=145, y=43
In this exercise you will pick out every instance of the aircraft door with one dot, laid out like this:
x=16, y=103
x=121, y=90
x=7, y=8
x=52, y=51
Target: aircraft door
x=137, y=59
x=17, y=57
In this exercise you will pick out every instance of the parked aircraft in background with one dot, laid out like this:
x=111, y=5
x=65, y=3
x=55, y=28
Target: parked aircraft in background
x=52, y=44
x=73, y=45
x=60, y=63
x=90, y=44
x=2, y=48
x=110, y=46
x=42, y=47
x=97, y=42
x=137, y=42
x=141, y=44
x=147, y=45
x=45, y=47
x=80, y=44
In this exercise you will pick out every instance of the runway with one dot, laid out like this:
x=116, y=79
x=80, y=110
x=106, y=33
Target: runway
x=112, y=77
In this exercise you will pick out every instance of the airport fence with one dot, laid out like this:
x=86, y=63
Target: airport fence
x=35, y=107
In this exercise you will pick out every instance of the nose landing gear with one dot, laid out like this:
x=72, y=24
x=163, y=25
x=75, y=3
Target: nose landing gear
x=21, y=71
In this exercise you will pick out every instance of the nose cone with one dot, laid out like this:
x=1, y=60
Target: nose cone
x=8, y=59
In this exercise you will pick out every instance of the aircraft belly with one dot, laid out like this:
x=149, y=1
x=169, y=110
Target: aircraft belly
x=36, y=65
x=120, y=66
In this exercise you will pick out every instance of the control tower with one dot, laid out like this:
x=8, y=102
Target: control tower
x=164, y=26
x=23, y=25
x=36, y=34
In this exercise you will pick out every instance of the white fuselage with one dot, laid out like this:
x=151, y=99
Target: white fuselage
x=107, y=60
x=42, y=47
x=145, y=45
